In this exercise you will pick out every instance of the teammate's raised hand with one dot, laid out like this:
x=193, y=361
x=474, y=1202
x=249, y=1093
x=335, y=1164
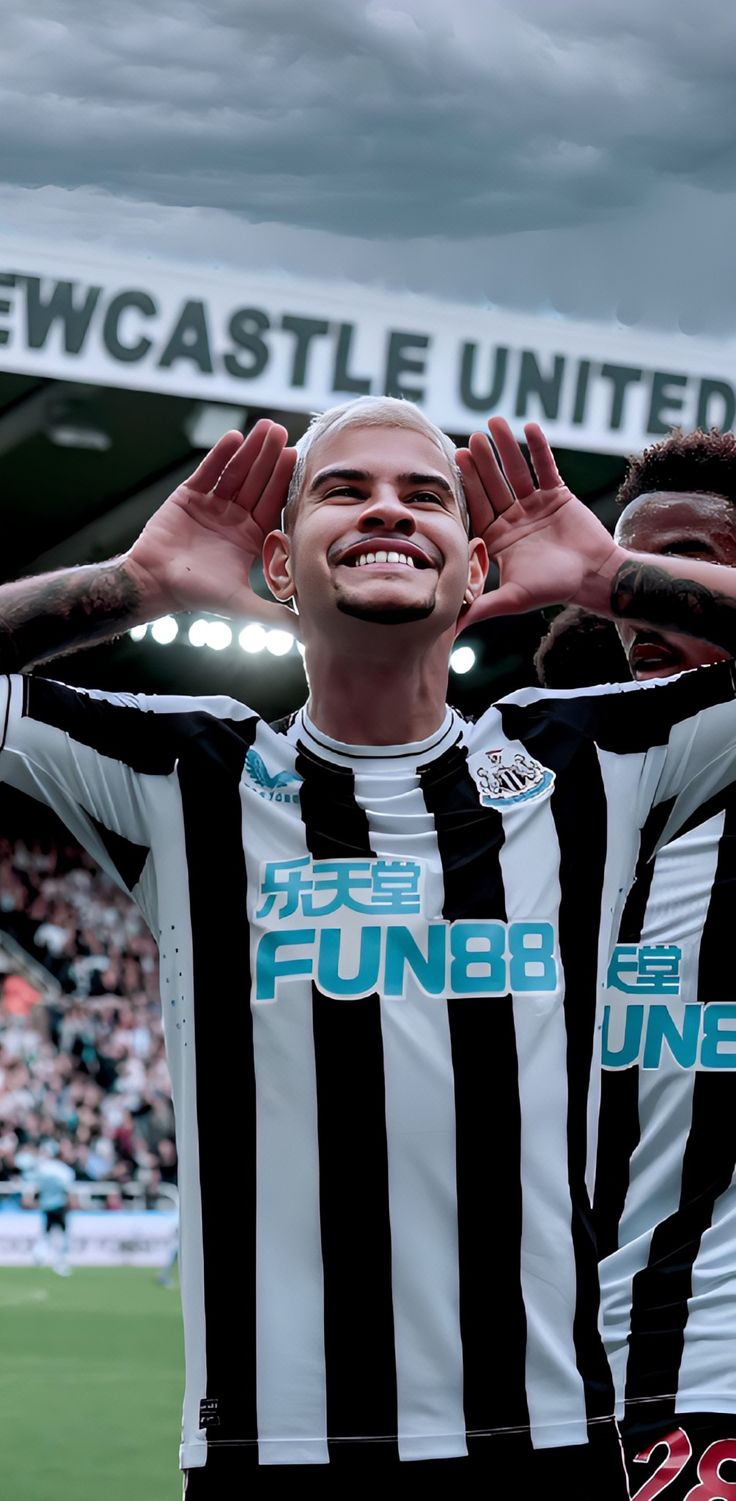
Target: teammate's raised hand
x=198, y=549
x=545, y=542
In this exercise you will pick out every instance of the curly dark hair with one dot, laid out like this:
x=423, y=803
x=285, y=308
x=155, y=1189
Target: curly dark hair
x=580, y=650
x=697, y=462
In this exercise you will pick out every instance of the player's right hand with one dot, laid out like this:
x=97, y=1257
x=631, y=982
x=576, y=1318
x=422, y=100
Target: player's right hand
x=198, y=549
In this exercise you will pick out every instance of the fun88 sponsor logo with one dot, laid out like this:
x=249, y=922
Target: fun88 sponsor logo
x=662, y=1028
x=352, y=957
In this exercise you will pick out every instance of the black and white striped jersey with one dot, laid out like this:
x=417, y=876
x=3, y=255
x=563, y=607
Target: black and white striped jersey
x=380, y=982
x=665, y=1198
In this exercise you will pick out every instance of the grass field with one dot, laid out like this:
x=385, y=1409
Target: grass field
x=91, y=1382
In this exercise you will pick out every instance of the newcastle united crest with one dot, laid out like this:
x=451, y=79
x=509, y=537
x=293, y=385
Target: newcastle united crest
x=510, y=776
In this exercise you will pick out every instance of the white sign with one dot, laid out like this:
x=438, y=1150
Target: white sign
x=302, y=346
x=102, y=1238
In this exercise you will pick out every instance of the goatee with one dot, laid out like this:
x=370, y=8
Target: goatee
x=396, y=615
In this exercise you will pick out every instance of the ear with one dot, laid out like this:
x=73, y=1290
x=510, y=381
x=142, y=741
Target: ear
x=276, y=560
x=478, y=564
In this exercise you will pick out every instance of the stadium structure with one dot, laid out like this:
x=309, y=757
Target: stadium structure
x=115, y=377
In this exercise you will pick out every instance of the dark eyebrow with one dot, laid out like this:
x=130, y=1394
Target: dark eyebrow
x=338, y=473
x=436, y=481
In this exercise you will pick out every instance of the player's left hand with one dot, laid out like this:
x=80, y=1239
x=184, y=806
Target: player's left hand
x=545, y=543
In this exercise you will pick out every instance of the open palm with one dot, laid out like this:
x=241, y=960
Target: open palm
x=544, y=541
x=199, y=548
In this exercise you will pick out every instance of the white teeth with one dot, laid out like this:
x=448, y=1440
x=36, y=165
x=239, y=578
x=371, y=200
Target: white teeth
x=383, y=557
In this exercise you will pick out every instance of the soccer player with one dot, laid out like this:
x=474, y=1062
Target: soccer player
x=165, y=1277
x=53, y=1180
x=380, y=933
x=665, y=1199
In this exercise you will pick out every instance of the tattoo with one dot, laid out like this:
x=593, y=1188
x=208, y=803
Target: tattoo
x=56, y=613
x=641, y=591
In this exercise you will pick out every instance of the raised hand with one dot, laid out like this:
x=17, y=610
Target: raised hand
x=545, y=542
x=198, y=549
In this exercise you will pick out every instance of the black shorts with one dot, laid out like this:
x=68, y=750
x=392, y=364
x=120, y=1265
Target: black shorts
x=53, y=1218
x=693, y=1456
x=502, y=1471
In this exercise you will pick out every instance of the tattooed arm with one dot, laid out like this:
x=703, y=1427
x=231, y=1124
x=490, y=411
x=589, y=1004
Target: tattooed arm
x=54, y=613
x=196, y=552
x=644, y=590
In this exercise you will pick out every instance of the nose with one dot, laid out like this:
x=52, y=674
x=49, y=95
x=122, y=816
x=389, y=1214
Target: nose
x=385, y=511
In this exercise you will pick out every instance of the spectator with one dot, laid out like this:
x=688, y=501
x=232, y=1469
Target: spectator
x=87, y=1070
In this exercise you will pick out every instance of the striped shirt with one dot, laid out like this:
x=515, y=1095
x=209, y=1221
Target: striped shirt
x=380, y=983
x=665, y=1197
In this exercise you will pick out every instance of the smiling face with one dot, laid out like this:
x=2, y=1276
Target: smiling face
x=675, y=525
x=378, y=533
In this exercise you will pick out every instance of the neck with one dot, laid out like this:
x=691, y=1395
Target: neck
x=395, y=698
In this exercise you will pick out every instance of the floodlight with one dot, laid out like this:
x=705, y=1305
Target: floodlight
x=165, y=630
x=252, y=638
x=462, y=659
x=197, y=634
x=219, y=635
x=279, y=642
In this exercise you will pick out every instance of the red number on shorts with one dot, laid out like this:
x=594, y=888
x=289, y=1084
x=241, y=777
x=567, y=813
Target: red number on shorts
x=678, y=1453
x=712, y=1487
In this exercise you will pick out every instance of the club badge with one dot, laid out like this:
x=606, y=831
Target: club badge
x=510, y=777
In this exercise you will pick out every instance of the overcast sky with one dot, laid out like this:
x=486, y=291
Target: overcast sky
x=554, y=156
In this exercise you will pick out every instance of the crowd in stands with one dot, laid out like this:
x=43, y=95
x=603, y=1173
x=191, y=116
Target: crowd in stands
x=83, y=1066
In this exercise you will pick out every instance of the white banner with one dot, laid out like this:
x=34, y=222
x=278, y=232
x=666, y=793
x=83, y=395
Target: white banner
x=96, y=1238
x=301, y=346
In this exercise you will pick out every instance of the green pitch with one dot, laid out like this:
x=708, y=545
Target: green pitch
x=91, y=1383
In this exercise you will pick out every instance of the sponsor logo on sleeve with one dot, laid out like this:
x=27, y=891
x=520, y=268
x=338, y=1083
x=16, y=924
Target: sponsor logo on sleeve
x=276, y=787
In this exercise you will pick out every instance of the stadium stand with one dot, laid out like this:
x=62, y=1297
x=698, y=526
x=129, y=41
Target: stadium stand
x=82, y=1059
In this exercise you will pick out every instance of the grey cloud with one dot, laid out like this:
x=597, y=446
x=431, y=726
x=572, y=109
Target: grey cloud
x=668, y=266
x=565, y=158
x=381, y=121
